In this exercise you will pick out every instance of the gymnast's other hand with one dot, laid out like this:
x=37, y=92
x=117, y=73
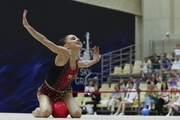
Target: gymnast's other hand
x=24, y=20
x=96, y=55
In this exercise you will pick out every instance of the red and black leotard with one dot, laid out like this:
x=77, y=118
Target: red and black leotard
x=58, y=81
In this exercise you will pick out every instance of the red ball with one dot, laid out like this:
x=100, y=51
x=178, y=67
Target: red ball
x=60, y=110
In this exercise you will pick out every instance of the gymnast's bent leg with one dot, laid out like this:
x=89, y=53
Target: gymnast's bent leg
x=45, y=107
x=74, y=110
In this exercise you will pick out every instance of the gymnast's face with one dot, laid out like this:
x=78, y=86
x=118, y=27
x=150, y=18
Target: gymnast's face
x=73, y=42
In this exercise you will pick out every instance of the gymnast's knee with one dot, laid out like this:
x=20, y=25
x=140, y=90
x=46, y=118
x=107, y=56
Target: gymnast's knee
x=46, y=113
x=77, y=113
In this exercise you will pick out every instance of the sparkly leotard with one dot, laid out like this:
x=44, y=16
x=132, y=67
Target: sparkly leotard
x=58, y=81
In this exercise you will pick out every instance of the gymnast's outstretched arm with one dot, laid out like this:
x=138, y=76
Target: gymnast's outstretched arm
x=88, y=63
x=41, y=38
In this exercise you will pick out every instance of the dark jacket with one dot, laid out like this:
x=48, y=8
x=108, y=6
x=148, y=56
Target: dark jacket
x=98, y=97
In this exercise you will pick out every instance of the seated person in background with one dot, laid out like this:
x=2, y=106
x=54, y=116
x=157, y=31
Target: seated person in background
x=96, y=97
x=152, y=58
x=150, y=97
x=131, y=79
x=165, y=55
x=163, y=98
x=128, y=100
x=89, y=88
x=155, y=67
x=177, y=50
x=95, y=81
x=152, y=79
x=174, y=102
x=176, y=64
x=114, y=99
x=121, y=84
x=166, y=65
x=178, y=83
x=172, y=57
x=145, y=67
x=159, y=83
x=173, y=80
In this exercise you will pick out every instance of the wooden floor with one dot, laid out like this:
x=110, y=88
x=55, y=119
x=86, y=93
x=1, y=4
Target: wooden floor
x=14, y=116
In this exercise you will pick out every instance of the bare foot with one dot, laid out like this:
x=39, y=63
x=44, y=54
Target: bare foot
x=37, y=113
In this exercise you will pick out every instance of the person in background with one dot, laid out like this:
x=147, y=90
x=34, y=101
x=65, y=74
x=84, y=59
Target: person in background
x=128, y=100
x=152, y=58
x=121, y=84
x=89, y=88
x=145, y=67
x=150, y=97
x=95, y=81
x=176, y=64
x=173, y=80
x=166, y=57
x=159, y=83
x=152, y=79
x=166, y=65
x=163, y=98
x=177, y=50
x=174, y=103
x=131, y=79
x=172, y=57
x=155, y=67
x=96, y=98
x=115, y=98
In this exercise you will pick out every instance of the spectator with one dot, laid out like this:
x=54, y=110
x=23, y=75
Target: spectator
x=96, y=97
x=150, y=97
x=172, y=57
x=152, y=79
x=176, y=64
x=144, y=67
x=159, y=83
x=177, y=50
x=178, y=83
x=174, y=103
x=128, y=100
x=95, y=81
x=114, y=99
x=165, y=56
x=173, y=80
x=131, y=79
x=89, y=88
x=152, y=58
x=166, y=65
x=121, y=84
x=155, y=67
x=163, y=98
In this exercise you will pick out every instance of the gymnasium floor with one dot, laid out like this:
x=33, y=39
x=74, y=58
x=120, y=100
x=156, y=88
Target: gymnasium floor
x=14, y=116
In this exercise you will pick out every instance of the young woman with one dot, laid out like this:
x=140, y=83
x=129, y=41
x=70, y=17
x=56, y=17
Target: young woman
x=128, y=100
x=96, y=98
x=150, y=97
x=174, y=102
x=163, y=98
x=89, y=88
x=115, y=98
x=56, y=87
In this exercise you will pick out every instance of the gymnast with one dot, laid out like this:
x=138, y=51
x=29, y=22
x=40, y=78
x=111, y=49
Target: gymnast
x=63, y=71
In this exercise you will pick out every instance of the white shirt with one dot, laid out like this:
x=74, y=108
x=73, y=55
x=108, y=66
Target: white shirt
x=130, y=96
x=122, y=87
x=176, y=65
x=145, y=67
x=89, y=89
x=177, y=51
